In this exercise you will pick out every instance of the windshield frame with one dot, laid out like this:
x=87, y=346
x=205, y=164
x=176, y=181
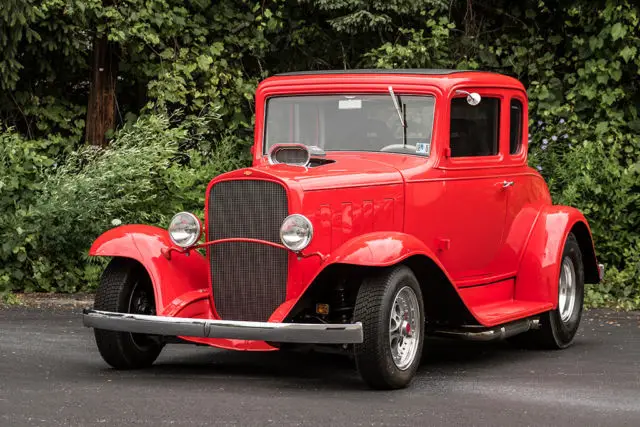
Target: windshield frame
x=398, y=93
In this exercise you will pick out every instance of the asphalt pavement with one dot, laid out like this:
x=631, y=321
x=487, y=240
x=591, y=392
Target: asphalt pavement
x=51, y=374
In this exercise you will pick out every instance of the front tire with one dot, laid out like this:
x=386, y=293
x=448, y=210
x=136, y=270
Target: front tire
x=125, y=287
x=390, y=306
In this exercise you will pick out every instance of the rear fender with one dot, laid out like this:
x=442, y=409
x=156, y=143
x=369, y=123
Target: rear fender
x=174, y=280
x=539, y=266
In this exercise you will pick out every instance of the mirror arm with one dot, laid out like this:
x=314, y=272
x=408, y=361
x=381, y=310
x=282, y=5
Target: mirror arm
x=473, y=98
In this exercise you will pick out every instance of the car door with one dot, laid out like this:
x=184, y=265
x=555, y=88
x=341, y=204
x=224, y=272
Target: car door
x=462, y=201
x=476, y=193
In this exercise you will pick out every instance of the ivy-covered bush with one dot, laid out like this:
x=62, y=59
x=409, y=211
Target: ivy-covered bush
x=600, y=174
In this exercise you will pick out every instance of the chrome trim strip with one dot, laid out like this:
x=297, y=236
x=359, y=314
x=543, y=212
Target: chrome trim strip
x=307, y=333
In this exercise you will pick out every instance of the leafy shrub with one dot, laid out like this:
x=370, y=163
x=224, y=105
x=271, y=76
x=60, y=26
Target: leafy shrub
x=599, y=173
x=22, y=165
x=144, y=176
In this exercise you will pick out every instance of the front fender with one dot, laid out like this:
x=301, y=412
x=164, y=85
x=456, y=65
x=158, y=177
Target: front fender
x=172, y=278
x=380, y=249
x=376, y=249
x=539, y=266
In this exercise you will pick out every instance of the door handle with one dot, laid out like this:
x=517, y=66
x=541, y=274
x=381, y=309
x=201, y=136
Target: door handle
x=507, y=184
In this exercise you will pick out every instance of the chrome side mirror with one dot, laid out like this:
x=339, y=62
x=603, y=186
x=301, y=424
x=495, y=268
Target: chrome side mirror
x=473, y=98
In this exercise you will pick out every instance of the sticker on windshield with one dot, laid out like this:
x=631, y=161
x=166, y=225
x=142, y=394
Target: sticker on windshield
x=349, y=104
x=422, y=147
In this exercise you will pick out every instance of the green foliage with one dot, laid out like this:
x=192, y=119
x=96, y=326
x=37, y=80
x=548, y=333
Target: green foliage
x=8, y=298
x=579, y=60
x=145, y=175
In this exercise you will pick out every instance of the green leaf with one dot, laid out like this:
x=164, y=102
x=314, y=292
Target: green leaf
x=204, y=61
x=628, y=52
x=618, y=31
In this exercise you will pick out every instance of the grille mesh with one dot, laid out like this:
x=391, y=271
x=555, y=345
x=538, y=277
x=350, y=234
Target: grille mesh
x=248, y=279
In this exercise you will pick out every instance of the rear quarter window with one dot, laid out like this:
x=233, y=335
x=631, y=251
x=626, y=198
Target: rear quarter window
x=515, y=127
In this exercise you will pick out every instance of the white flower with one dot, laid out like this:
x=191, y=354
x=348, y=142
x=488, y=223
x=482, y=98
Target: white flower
x=116, y=222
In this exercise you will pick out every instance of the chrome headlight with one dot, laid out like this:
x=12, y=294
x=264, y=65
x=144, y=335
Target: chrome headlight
x=185, y=229
x=296, y=232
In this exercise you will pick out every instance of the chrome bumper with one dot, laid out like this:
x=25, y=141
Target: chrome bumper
x=307, y=333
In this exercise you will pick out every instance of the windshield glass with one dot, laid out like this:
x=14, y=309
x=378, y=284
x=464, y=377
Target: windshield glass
x=351, y=122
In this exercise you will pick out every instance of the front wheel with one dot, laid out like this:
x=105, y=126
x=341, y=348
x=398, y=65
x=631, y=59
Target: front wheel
x=390, y=306
x=125, y=287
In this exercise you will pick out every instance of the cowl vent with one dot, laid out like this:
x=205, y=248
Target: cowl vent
x=297, y=155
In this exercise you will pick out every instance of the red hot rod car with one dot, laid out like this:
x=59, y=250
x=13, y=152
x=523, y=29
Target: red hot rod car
x=382, y=206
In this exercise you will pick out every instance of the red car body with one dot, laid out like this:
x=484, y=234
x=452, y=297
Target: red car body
x=482, y=230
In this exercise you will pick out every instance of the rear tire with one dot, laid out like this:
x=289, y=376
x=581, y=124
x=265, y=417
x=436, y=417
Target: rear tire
x=558, y=327
x=390, y=306
x=125, y=287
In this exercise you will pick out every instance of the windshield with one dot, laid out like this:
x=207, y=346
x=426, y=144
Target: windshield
x=351, y=122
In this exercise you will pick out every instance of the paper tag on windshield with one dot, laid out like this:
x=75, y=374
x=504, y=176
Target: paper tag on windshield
x=422, y=148
x=349, y=104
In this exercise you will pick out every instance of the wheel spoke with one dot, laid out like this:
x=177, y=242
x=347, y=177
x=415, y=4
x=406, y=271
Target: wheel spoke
x=404, y=328
x=566, y=289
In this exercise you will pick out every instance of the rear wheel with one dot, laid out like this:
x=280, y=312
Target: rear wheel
x=390, y=306
x=558, y=327
x=125, y=287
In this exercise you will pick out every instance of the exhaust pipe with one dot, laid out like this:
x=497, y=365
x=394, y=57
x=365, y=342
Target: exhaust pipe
x=480, y=333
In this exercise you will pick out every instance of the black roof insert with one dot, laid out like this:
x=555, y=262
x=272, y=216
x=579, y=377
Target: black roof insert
x=425, y=71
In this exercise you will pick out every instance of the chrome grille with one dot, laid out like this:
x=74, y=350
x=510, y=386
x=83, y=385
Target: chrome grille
x=249, y=280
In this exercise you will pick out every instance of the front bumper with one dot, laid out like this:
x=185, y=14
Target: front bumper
x=307, y=333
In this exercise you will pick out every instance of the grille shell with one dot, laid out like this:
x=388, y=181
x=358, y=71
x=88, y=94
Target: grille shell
x=249, y=280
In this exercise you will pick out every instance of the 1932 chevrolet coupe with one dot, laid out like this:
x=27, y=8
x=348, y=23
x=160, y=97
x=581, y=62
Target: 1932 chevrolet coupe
x=382, y=206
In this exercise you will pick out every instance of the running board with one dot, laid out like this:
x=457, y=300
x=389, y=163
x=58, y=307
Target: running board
x=481, y=333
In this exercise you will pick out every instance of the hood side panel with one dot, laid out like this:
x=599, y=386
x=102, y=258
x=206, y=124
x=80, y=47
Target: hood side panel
x=342, y=214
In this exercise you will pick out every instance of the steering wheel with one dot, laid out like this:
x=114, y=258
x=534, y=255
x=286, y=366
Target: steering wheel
x=399, y=148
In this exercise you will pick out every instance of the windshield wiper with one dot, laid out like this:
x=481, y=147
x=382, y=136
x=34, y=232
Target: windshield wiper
x=402, y=114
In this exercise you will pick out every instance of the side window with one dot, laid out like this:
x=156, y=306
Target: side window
x=515, y=127
x=474, y=129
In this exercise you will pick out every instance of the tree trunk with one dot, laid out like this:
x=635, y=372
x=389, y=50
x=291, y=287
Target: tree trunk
x=101, y=111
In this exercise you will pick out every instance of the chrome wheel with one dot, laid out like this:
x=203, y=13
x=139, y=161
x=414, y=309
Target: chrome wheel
x=567, y=289
x=404, y=328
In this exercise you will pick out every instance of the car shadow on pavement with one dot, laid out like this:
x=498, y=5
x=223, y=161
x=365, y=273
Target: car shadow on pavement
x=288, y=369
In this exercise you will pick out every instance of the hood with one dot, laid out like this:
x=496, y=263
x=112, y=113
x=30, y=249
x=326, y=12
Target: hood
x=343, y=171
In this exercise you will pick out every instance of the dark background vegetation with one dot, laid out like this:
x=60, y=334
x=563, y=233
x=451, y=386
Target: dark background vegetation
x=122, y=110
